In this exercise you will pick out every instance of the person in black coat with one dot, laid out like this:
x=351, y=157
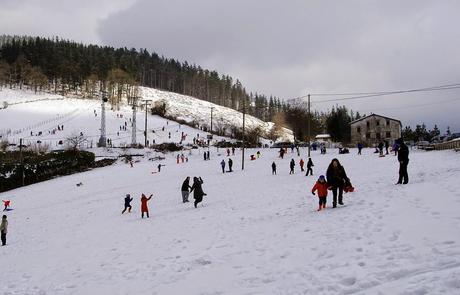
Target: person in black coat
x=273, y=168
x=197, y=190
x=309, y=167
x=230, y=165
x=184, y=190
x=128, y=200
x=292, y=165
x=403, y=158
x=336, y=180
x=381, y=148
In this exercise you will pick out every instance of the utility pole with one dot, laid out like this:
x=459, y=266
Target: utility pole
x=103, y=138
x=22, y=160
x=308, y=121
x=212, y=108
x=244, y=120
x=145, y=132
x=133, y=124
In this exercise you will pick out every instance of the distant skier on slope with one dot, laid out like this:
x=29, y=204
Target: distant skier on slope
x=128, y=200
x=321, y=187
x=197, y=190
x=144, y=207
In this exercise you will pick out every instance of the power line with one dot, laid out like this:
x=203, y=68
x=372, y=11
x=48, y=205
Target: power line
x=357, y=95
x=389, y=93
x=417, y=105
x=385, y=92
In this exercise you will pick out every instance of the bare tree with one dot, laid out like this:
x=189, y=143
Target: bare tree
x=4, y=145
x=75, y=142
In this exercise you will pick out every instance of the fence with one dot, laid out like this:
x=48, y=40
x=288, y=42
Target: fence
x=453, y=144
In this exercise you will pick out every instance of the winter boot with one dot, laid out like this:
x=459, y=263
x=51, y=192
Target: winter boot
x=319, y=209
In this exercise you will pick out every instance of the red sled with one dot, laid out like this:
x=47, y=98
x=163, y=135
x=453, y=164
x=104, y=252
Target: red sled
x=349, y=188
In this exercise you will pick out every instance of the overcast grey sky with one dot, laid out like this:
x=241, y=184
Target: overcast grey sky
x=285, y=48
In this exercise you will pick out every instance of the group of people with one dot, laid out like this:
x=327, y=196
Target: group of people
x=196, y=188
x=230, y=165
x=292, y=167
x=336, y=180
x=144, y=205
x=186, y=189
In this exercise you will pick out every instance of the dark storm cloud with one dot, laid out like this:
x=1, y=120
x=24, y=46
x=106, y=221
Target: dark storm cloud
x=289, y=48
x=285, y=48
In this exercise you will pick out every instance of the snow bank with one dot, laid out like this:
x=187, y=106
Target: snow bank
x=255, y=233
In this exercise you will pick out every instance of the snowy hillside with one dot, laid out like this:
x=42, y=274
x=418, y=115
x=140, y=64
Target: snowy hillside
x=255, y=233
x=27, y=114
x=194, y=110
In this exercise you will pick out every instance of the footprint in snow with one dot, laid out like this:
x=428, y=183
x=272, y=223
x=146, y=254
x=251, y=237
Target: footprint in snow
x=350, y=281
x=394, y=237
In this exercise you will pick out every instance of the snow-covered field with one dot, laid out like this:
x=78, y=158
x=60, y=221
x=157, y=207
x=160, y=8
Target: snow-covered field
x=255, y=233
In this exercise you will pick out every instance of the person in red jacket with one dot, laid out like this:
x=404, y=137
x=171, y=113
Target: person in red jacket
x=301, y=164
x=144, y=207
x=6, y=204
x=321, y=186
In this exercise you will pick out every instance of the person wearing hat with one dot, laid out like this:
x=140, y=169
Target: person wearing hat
x=321, y=186
x=403, y=158
x=128, y=200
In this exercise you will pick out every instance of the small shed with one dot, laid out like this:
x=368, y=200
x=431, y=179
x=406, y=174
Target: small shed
x=324, y=138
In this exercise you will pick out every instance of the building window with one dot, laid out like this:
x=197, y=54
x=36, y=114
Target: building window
x=358, y=129
x=388, y=134
x=368, y=135
x=377, y=135
x=388, y=122
x=378, y=122
x=367, y=124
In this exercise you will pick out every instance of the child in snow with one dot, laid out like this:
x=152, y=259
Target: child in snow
x=128, y=200
x=4, y=229
x=301, y=165
x=309, y=165
x=144, y=207
x=321, y=187
x=6, y=204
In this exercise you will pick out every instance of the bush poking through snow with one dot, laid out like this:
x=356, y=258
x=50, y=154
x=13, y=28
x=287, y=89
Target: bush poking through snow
x=4, y=145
